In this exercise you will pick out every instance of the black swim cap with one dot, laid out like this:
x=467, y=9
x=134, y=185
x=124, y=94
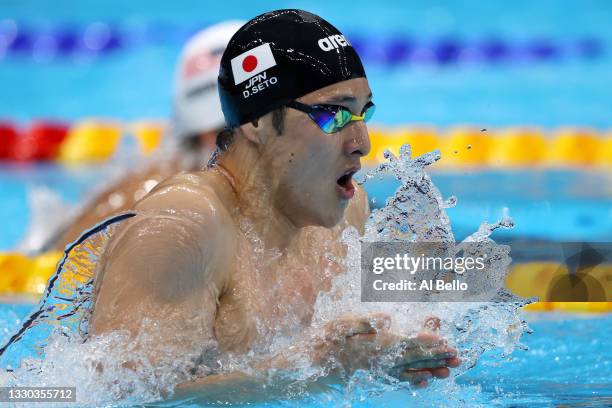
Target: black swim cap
x=280, y=56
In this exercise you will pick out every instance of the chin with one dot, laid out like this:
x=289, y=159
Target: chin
x=331, y=219
x=326, y=220
x=325, y=213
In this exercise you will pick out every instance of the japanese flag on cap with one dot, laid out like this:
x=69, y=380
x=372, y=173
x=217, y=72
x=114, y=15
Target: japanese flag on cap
x=252, y=62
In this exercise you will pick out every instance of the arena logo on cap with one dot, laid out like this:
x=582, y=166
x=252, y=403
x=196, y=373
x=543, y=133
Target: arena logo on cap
x=252, y=62
x=332, y=42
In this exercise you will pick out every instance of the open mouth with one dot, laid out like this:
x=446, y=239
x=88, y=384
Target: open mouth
x=345, y=185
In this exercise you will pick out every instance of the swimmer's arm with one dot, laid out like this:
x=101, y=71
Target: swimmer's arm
x=339, y=348
x=159, y=268
x=350, y=343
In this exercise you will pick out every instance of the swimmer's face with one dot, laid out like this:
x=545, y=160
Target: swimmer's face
x=313, y=170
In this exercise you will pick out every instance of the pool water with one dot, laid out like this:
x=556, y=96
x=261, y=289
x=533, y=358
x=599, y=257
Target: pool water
x=567, y=363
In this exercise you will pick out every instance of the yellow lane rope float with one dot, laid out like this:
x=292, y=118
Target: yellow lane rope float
x=22, y=275
x=90, y=142
x=148, y=134
x=551, y=282
x=517, y=147
x=512, y=147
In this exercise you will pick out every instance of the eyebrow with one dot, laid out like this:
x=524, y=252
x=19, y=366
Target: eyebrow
x=345, y=98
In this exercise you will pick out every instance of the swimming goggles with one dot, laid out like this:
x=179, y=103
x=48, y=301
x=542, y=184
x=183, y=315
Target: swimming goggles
x=332, y=118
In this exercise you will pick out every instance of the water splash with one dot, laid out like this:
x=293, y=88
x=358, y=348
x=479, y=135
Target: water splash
x=416, y=213
x=102, y=367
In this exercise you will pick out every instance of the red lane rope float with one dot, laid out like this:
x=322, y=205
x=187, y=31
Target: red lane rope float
x=8, y=138
x=41, y=141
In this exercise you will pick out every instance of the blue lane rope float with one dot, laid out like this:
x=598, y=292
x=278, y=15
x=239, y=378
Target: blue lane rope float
x=66, y=40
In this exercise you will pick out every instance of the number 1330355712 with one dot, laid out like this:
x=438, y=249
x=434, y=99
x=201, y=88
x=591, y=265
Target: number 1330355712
x=37, y=394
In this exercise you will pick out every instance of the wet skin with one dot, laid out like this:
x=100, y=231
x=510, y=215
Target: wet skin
x=239, y=253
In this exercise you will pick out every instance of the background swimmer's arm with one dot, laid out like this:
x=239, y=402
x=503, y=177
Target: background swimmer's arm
x=119, y=196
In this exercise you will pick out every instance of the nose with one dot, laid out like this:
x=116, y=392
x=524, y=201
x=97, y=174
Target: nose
x=357, y=141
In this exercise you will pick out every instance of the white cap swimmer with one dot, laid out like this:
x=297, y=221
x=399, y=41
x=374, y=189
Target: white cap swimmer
x=196, y=100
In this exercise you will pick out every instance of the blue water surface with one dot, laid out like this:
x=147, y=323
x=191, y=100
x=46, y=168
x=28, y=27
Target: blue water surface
x=567, y=361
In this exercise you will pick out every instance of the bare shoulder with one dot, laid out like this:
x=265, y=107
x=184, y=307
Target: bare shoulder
x=186, y=191
x=174, y=249
x=191, y=198
x=187, y=210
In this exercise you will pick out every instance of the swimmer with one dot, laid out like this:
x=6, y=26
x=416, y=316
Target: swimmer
x=196, y=121
x=236, y=254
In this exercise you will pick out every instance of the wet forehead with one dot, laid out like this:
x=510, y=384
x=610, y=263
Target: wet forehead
x=352, y=91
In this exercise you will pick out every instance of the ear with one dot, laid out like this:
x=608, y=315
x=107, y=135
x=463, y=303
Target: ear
x=254, y=132
x=250, y=131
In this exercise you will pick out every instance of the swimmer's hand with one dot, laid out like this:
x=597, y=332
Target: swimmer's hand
x=357, y=342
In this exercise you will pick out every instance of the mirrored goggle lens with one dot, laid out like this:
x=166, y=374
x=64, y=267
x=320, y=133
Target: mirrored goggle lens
x=369, y=112
x=332, y=120
x=342, y=118
x=326, y=119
